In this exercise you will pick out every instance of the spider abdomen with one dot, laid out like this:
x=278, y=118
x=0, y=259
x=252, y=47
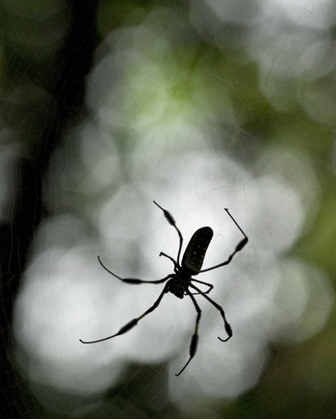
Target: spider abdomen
x=194, y=254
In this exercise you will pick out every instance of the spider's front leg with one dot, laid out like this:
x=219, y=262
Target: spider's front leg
x=194, y=338
x=227, y=326
x=134, y=321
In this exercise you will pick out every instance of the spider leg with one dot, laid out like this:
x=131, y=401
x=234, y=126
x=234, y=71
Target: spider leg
x=171, y=259
x=134, y=321
x=227, y=326
x=211, y=286
x=131, y=280
x=239, y=247
x=194, y=338
x=172, y=222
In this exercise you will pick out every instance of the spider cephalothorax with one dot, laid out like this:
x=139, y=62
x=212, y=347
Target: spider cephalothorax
x=179, y=282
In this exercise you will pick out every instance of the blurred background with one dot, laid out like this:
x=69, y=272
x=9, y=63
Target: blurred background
x=199, y=105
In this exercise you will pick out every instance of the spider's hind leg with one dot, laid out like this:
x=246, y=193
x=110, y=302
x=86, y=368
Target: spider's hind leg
x=171, y=221
x=238, y=248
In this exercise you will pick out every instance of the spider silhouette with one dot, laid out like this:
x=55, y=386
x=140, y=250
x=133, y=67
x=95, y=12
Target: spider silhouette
x=181, y=281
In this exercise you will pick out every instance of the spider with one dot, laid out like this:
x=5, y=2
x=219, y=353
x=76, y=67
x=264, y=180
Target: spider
x=181, y=281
